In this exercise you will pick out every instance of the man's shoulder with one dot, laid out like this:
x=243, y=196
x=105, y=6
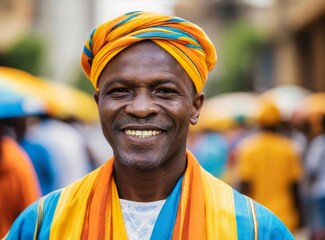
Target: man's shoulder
x=250, y=216
x=41, y=212
x=37, y=218
x=266, y=224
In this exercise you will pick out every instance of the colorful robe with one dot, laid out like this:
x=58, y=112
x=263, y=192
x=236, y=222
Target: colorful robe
x=199, y=207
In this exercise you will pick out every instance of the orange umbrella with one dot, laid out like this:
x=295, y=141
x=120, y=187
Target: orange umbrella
x=314, y=104
x=221, y=112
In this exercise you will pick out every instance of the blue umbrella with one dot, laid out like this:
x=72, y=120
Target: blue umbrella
x=14, y=104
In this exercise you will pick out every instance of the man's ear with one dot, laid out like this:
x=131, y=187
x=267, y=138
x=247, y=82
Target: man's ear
x=96, y=97
x=196, y=108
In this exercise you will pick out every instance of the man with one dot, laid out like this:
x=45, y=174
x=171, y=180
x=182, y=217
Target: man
x=148, y=70
x=269, y=168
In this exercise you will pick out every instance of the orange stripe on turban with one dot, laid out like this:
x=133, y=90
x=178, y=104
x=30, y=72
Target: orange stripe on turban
x=185, y=41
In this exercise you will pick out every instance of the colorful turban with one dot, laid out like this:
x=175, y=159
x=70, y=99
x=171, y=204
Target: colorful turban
x=185, y=41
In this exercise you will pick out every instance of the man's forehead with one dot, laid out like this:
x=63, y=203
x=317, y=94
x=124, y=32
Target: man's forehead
x=144, y=59
x=146, y=48
x=145, y=63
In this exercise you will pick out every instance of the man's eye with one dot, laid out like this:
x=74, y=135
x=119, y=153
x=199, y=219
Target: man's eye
x=167, y=91
x=119, y=90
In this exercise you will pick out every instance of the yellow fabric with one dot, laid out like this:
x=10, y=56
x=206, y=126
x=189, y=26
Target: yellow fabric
x=201, y=206
x=204, y=201
x=271, y=165
x=219, y=204
x=268, y=114
x=185, y=41
x=72, y=208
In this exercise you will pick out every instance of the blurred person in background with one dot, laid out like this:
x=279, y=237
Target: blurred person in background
x=294, y=129
x=269, y=168
x=241, y=129
x=56, y=148
x=66, y=146
x=299, y=132
x=211, y=150
x=37, y=152
x=148, y=70
x=19, y=186
x=96, y=146
x=315, y=171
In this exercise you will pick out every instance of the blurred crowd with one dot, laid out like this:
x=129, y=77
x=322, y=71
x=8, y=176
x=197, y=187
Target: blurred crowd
x=272, y=148
x=269, y=146
x=49, y=137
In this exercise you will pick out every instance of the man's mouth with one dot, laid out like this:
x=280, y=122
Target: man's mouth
x=142, y=133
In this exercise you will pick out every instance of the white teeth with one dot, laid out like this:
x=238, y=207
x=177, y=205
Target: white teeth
x=142, y=133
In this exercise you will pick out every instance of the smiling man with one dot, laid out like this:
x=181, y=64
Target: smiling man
x=148, y=70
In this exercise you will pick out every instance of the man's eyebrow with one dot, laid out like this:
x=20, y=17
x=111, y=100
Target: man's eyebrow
x=155, y=82
x=115, y=81
x=161, y=81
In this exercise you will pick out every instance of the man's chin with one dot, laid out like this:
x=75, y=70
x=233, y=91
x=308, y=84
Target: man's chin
x=140, y=161
x=141, y=164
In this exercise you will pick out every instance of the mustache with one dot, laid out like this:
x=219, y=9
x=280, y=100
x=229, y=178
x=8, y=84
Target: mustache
x=164, y=125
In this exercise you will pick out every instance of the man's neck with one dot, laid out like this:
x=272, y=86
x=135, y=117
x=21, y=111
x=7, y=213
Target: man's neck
x=147, y=185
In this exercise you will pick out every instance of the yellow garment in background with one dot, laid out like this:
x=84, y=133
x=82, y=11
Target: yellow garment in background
x=270, y=164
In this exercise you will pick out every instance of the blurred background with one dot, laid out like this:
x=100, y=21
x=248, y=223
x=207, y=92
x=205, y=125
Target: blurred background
x=260, y=43
x=270, y=53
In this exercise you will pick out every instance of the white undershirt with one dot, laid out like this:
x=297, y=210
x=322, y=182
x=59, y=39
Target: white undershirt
x=140, y=218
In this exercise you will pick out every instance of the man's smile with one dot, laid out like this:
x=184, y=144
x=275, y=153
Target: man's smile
x=142, y=133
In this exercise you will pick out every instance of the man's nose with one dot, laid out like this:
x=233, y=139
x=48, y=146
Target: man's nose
x=142, y=105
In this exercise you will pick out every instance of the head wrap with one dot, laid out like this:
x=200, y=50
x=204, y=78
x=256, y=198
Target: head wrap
x=268, y=114
x=185, y=41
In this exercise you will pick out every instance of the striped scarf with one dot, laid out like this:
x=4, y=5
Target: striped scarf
x=195, y=208
x=199, y=207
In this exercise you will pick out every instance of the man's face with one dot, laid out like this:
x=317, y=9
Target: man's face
x=146, y=102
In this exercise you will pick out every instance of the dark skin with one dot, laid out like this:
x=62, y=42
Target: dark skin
x=146, y=102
